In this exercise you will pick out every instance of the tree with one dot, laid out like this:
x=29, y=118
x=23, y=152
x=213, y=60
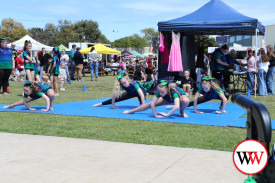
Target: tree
x=46, y=35
x=208, y=42
x=65, y=31
x=87, y=30
x=149, y=34
x=132, y=41
x=12, y=30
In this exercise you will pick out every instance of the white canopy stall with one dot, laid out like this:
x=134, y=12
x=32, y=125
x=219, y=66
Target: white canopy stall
x=19, y=44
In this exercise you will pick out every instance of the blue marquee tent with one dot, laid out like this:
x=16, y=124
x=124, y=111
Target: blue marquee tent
x=214, y=18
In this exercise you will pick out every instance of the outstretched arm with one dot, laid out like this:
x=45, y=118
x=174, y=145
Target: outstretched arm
x=17, y=103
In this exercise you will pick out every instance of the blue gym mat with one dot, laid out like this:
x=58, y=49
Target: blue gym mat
x=209, y=117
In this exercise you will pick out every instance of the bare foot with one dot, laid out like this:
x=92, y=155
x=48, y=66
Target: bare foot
x=97, y=105
x=5, y=93
x=57, y=94
x=6, y=107
x=184, y=114
x=169, y=106
x=51, y=108
x=220, y=112
x=128, y=112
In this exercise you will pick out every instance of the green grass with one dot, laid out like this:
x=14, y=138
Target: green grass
x=119, y=130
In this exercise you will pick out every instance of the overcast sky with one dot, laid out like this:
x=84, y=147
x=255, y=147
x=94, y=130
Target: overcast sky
x=121, y=18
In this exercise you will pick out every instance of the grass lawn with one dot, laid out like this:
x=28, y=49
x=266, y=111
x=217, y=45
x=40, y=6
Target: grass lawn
x=119, y=130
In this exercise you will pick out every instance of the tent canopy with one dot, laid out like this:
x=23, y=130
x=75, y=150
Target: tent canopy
x=61, y=47
x=138, y=55
x=214, y=18
x=19, y=44
x=101, y=49
x=124, y=52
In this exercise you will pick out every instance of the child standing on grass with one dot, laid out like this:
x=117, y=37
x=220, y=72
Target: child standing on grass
x=19, y=67
x=54, y=71
x=62, y=76
x=34, y=92
x=209, y=91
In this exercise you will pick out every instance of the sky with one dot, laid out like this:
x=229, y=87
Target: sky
x=122, y=18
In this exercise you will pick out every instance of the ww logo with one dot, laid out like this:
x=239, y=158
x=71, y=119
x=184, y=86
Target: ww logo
x=250, y=157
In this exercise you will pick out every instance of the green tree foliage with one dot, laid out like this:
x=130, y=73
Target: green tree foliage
x=132, y=41
x=12, y=30
x=149, y=34
x=66, y=31
x=207, y=42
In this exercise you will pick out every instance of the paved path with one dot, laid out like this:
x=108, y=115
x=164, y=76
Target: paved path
x=37, y=159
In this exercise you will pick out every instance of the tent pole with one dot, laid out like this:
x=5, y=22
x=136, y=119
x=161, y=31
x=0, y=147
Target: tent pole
x=256, y=51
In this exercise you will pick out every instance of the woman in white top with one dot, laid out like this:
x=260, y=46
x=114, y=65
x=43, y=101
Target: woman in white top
x=250, y=71
x=263, y=63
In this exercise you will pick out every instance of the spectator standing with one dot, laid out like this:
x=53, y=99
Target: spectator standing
x=14, y=56
x=271, y=70
x=7, y=64
x=19, y=66
x=94, y=59
x=62, y=76
x=78, y=59
x=263, y=63
x=218, y=63
x=250, y=71
x=65, y=59
x=29, y=60
x=54, y=70
x=43, y=57
x=72, y=62
x=149, y=68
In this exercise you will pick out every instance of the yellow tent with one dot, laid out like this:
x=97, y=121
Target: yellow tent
x=101, y=49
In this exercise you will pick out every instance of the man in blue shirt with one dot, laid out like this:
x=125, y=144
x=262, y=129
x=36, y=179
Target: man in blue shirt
x=72, y=62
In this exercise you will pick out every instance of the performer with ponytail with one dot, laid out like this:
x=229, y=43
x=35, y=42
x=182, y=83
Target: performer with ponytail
x=34, y=92
x=54, y=70
x=209, y=91
x=167, y=93
x=132, y=89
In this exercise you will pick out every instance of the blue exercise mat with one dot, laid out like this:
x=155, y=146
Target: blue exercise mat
x=209, y=117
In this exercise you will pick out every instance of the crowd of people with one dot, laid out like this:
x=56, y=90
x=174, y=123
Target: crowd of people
x=54, y=67
x=260, y=70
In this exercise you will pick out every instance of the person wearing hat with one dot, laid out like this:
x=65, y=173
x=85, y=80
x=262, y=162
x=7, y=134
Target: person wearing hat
x=149, y=68
x=6, y=64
